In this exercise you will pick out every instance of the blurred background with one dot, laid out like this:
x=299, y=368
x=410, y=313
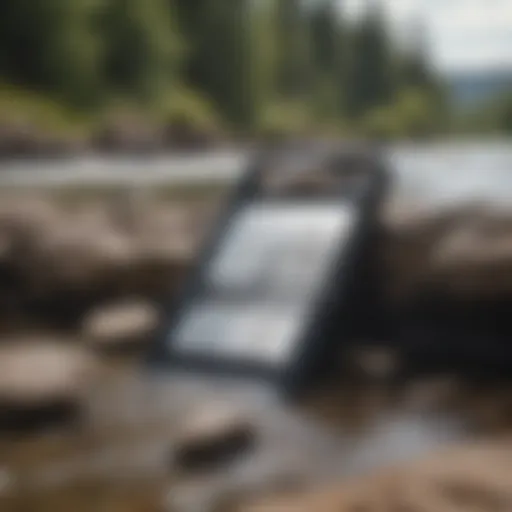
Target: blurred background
x=130, y=74
x=123, y=124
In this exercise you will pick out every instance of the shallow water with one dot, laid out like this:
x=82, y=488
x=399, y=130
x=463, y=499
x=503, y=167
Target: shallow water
x=443, y=174
x=119, y=456
x=438, y=172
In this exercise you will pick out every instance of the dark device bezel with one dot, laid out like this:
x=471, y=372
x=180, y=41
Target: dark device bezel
x=331, y=319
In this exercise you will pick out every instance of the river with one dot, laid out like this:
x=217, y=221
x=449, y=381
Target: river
x=441, y=172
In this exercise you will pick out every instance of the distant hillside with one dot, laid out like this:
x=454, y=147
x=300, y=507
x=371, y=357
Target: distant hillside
x=474, y=88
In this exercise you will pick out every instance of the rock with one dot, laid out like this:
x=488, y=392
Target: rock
x=464, y=250
x=42, y=381
x=120, y=325
x=412, y=236
x=127, y=132
x=182, y=135
x=476, y=258
x=435, y=392
x=162, y=257
x=82, y=253
x=212, y=437
x=71, y=258
x=376, y=363
x=476, y=477
x=6, y=481
x=22, y=218
x=18, y=138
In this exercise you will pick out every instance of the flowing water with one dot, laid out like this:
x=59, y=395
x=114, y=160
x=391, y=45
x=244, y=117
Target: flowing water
x=434, y=172
x=119, y=457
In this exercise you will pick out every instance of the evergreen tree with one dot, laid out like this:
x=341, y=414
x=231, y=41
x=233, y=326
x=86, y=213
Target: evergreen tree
x=219, y=49
x=293, y=56
x=370, y=77
x=264, y=70
x=413, y=68
x=324, y=22
x=327, y=40
x=294, y=47
x=50, y=45
x=141, y=48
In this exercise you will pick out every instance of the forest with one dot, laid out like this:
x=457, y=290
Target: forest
x=223, y=68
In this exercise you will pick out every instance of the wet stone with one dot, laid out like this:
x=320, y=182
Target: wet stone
x=42, y=383
x=211, y=438
x=120, y=326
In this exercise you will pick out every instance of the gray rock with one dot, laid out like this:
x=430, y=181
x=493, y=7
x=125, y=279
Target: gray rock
x=42, y=381
x=120, y=325
x=212, y=437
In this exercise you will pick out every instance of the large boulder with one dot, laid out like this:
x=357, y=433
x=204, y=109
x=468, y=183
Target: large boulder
x=77, y=253
x=19, y=139
x=165, y=242
x=127, y=133
x=78, y=257
x=460, y=249
x=476, y=259
x=22, y=217
x=22, y=220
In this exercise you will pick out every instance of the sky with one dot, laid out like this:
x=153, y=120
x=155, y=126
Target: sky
x=462, y=35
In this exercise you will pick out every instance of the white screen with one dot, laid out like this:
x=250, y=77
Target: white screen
x=260, y=285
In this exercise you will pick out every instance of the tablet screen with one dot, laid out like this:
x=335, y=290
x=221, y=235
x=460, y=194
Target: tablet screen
x=261, y=285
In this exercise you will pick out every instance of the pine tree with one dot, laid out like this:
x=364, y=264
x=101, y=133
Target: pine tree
x=370, y=76
x=219, y=37
x=294, y=47
x=414, y=69
x=141, y=48
x=50, y=45
x=264, y=47
x=327, y=42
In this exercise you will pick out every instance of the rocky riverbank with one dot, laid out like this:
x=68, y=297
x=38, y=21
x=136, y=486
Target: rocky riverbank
x=80, y=284
x=58, y=254
x=122, y=135
x=476, y=478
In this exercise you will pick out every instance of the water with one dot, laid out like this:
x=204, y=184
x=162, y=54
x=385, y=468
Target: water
x=120, y=455
x=435, y=173
x=442, y=174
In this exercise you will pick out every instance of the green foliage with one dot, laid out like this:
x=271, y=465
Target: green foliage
x=264, y=55
x=40, y=112
x=294, y=59
x=280, y=67
x=412, y=114
x=219, y=55
x=327, y=41
x=283, y=120
x=50, y=45
x=415, y=109
x=186, y=107
x=141, y=48
x=382, y=123
x=493, y=117
x=370, y=72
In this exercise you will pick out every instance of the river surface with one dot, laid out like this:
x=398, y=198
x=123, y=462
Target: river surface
x=119, y=457
x=440, y=172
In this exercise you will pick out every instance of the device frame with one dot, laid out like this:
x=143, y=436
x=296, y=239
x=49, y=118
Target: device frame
x=331, y=314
